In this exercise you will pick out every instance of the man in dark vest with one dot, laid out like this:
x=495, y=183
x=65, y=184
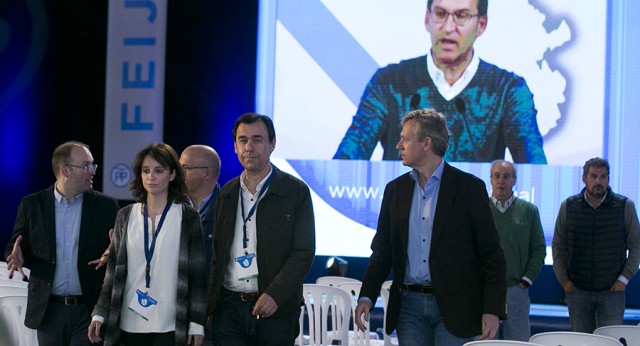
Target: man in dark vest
x=594, y=230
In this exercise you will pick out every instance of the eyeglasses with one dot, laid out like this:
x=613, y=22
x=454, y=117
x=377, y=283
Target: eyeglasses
x=188, y=168
x=461, y=18
x=86, y=167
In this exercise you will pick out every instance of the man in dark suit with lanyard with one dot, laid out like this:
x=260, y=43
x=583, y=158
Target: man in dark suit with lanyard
x=58, y=232
x=436, y=231
x=264, y=245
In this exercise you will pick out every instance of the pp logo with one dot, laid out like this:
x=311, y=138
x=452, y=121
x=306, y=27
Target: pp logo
x=121, y=175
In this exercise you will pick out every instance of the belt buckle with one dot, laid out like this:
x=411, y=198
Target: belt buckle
x=246, y=297
x=70, y=301
x=426, y=290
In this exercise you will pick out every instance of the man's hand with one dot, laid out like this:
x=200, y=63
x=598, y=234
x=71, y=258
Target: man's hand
x=195, y=340
x=490, y=325
x=94, y=332
x=15, y=260
x=265, y=306
x=364, y=306
x=618, y=286
x=102, y=261
x=568, y=287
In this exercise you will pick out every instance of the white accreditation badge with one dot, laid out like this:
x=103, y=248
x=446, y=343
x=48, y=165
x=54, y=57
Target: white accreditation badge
x=247, y=266
x=143, y=305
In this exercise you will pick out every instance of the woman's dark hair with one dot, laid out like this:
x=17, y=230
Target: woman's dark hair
x=168, y=158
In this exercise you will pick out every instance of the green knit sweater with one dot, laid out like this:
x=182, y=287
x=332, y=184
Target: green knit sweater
x=522, y=239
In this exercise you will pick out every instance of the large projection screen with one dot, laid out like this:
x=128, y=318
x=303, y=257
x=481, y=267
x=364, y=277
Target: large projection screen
x=316, y=57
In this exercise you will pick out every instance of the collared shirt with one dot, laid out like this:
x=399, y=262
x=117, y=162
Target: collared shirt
x=423, y=208
x=449, y=92
x=502, y=207
x=164, y=270
x=201, y=207
x=66, y=281
x=586, y=198
x=231, y=281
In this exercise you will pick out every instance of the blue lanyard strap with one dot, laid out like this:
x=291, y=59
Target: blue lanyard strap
x=245, y=239
x=203, y=210
x=148, y=251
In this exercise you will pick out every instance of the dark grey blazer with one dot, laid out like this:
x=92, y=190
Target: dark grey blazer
x=286, y=240
x=37, y=225
x=467, y=264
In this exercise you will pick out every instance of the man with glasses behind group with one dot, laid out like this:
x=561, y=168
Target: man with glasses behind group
x=488, y=109
x=201, y=165
x=58, y=234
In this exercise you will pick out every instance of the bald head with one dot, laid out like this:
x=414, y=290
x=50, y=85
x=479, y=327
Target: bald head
x=202, y=168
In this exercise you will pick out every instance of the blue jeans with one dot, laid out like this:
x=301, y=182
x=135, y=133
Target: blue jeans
x=590, y=310
x=420, y=323
x=517, y=326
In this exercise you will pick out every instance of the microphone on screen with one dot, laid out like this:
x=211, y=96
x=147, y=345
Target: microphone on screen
x=461, y=106
x=415, y=102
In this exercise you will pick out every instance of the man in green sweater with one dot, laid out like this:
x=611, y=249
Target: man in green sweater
x=518, y=223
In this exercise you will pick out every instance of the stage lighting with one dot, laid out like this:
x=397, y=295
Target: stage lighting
x=337, y=266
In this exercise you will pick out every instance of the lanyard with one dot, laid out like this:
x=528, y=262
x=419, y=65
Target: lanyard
x=245, y=240
x=203, y=210
x=148, y=251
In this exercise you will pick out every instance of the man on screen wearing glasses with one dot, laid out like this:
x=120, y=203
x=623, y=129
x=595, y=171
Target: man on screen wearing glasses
x=488, y=109
x=58, y=234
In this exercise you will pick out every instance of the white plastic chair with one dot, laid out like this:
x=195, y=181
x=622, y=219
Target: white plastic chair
x=321, y=303
x=627, y=335
x=4, y=273
x=12, y=289
x=500, y=343
x=357, y=337
x=12, y=328
x=334, y=280
x=572, y=339
x=12, y=283
x=384, y=295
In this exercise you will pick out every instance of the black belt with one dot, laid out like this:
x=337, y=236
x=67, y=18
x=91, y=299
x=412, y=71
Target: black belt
x=244, y=296
x=419, y=288
x=68, y=300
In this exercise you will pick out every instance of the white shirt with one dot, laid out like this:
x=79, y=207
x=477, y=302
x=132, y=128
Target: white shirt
x=164, y=271
x=503, y=207
x=231, y=281
x=449, y=92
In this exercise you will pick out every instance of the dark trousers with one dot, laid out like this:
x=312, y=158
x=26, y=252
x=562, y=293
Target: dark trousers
x=65, y=325
x=234, y=325
x=148, y=339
